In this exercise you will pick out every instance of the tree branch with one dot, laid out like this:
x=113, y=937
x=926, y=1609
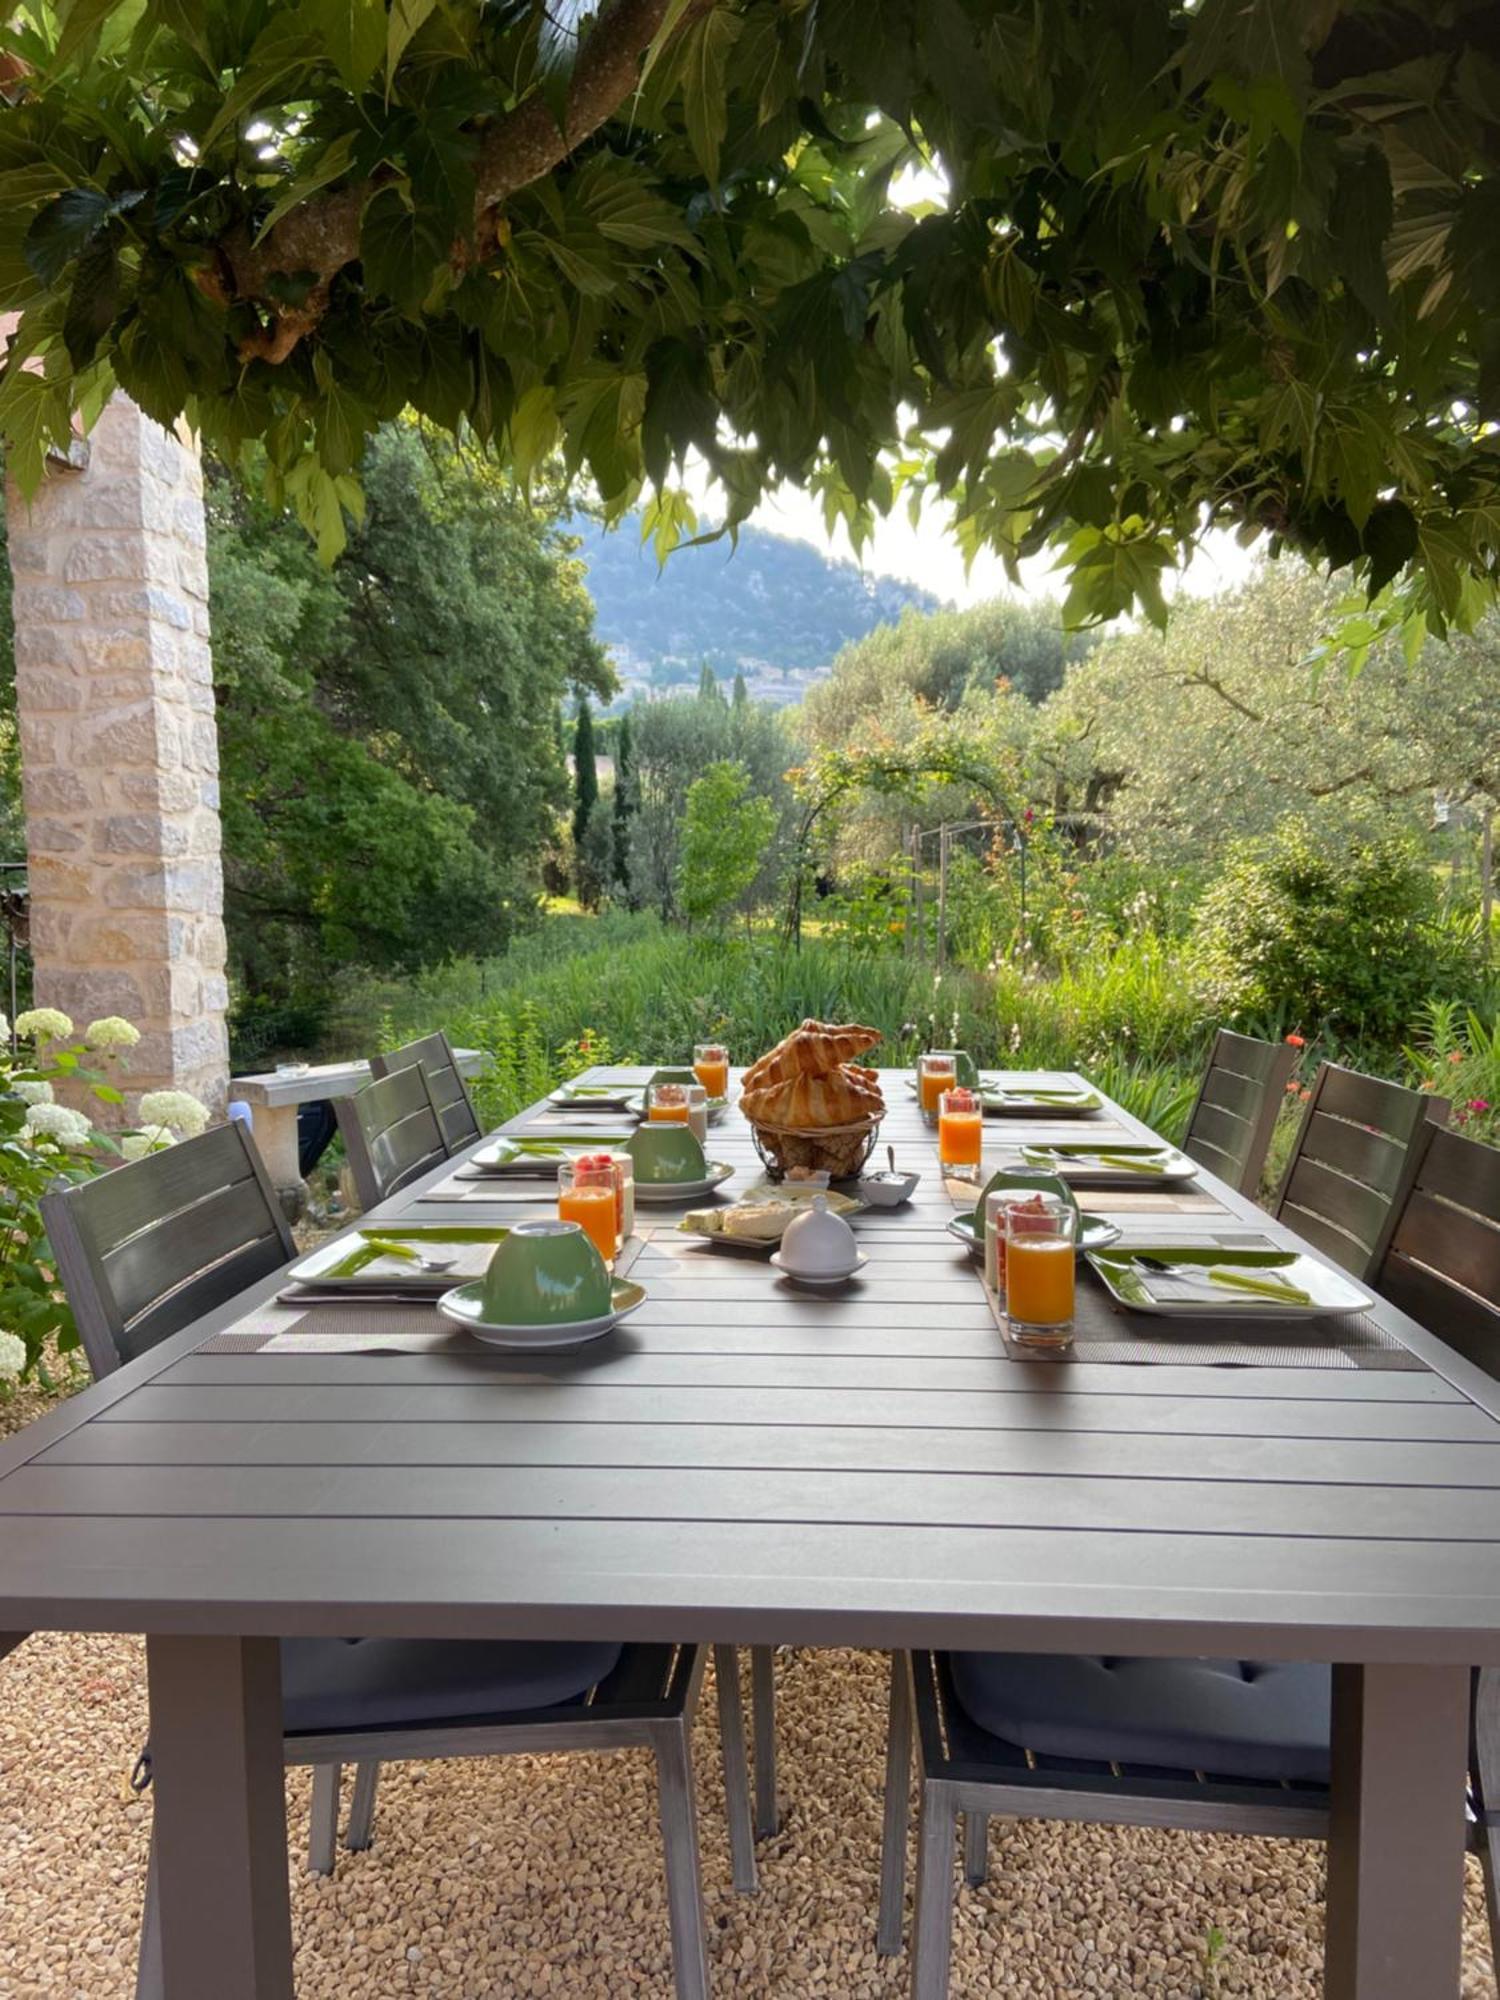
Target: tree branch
x=1201, y=677
x=322, y=236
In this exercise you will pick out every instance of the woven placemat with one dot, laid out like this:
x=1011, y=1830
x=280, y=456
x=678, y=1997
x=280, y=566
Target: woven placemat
x=466, y=1184
x=1111, y=1201
x=1103, y=1331
x=362, y=1326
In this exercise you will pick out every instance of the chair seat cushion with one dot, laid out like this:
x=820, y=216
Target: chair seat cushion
x=386, y=1683
x=1228, y=1718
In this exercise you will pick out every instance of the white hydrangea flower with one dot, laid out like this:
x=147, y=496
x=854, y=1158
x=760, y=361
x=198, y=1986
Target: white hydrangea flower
x=43, y=1024
x=12, y=1353
x=136, y=1145
x=113, y=1032
x=38, y=1091
x=4, y=1029
x=177, y=1108
x=57, y=1121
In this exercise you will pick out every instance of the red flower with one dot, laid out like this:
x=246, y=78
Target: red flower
x=1479, y=1104
x=1456, y=1056
x=1296, y=1041
x=1292, y=1086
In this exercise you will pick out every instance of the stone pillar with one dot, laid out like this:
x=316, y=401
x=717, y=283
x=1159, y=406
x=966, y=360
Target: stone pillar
x=119, y=753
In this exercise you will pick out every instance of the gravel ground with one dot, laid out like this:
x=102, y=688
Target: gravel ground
x=543, y=1876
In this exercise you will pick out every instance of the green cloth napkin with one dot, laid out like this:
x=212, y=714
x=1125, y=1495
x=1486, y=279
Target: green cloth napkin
x=1264, y=1284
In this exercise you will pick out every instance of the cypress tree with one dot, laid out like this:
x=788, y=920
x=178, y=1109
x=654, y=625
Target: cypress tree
x=585, y=775
x=741, y=697
x=708, y=685
x=624, y=806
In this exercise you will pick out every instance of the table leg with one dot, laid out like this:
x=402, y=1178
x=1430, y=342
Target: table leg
x=1396, y=1832
x=220, y=1818
x=275, y=1129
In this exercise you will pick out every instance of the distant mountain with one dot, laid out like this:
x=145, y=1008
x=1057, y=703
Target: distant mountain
x=772, y=608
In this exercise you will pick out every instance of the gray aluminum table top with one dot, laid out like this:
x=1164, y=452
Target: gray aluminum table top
x=745, y=1462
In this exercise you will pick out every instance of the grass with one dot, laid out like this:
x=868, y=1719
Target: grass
x=1136, y=1014
x=623, y=988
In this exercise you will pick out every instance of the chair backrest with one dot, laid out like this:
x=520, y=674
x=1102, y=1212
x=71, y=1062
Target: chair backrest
x=433, y=1055
x=146, y=1248
x=1346, y=1167
x=391, y=1133
x=1439, y=1255
x=1235, y=1115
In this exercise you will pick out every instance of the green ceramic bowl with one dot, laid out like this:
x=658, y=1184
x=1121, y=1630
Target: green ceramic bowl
x=545, y=1273
x=965, y=1069
x=1025, y=1180
x=666, y=1153
x=675, y=1076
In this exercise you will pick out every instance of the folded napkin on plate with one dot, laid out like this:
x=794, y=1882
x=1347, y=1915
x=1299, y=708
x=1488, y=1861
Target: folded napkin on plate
x=1209, y=1283
x=1131, y=1163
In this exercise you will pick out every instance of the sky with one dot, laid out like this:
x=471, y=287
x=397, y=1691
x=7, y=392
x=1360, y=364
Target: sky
x=928, y=554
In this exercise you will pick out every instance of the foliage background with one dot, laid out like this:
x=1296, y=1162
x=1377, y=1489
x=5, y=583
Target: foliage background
x=388, y=727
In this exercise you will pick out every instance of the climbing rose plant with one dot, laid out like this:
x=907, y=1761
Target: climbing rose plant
x=44, y=1143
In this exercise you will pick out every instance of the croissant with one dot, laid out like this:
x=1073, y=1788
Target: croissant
x=811, y=1103
x=815, y=1049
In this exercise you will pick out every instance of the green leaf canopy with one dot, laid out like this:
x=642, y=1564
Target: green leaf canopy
x=1104, y=272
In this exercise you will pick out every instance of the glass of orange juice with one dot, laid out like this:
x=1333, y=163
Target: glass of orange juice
x=586, y=1195
x=711, y=1067
x=667, y=1104
x=1041, y=1270
x=960, y=1134
x=935, y=1074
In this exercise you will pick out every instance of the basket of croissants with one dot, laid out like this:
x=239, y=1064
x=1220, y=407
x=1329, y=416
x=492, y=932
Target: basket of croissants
x=810, y=1105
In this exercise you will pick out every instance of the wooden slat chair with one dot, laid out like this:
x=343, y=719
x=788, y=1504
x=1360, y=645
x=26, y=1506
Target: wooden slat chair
x=1347, y=1164
x=433, y=1055
x=391, y=1134
x=142, y=1252
x=1234, y=1117
x=1439, y=1258
x=1225, y=1746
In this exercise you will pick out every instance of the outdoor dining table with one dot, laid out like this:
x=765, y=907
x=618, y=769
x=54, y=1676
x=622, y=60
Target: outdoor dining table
x=746, y=1462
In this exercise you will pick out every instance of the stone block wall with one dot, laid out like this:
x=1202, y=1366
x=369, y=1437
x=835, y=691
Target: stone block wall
x=119, y=751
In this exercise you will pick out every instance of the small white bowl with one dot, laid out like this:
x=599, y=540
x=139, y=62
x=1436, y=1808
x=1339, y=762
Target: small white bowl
x=886, y=1190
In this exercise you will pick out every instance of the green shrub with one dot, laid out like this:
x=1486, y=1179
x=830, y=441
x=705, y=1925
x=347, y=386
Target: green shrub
x=1344, y=942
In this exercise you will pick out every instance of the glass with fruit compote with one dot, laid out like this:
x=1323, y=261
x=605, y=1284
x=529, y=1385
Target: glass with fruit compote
x=586, y=1195
x=667, y=1104
x=711, y=1067
x=996, y=1206
x=1041, y=1271
x=960, y=1134
x=935, y=1074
